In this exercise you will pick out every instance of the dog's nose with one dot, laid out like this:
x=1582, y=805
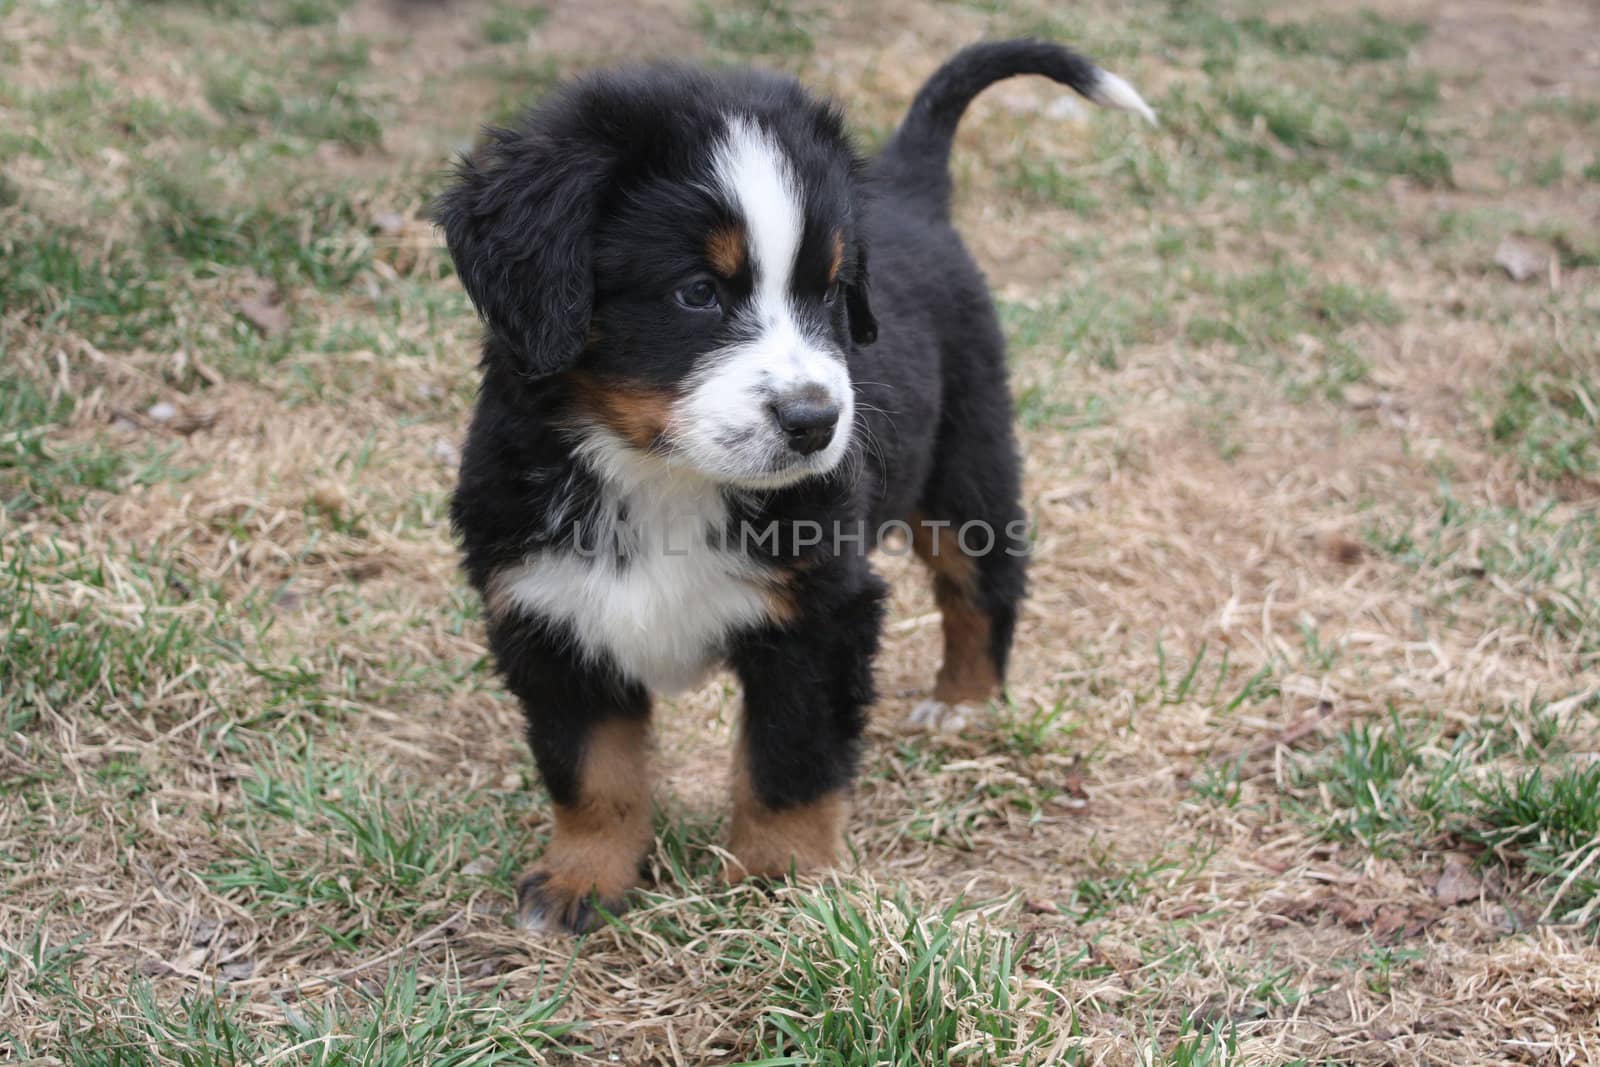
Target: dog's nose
x=807, y=421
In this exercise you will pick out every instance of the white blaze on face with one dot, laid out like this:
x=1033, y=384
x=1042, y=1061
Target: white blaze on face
x=724, y=424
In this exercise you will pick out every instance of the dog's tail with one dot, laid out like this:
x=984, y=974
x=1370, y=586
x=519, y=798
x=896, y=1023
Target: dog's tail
x=918, y=155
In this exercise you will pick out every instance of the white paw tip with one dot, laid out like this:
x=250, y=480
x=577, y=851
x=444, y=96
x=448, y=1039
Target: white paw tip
x=1112, y=91
x=945, y=718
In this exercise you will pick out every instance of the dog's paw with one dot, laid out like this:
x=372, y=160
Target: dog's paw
x=936, y=716
x=766, y=844
x=774, y=861
x=550, y=903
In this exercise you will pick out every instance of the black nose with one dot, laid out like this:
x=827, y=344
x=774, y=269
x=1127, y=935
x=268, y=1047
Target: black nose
x=807, y=421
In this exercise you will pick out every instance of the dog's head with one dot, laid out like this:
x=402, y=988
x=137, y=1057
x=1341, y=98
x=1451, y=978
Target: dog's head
x=679, y=253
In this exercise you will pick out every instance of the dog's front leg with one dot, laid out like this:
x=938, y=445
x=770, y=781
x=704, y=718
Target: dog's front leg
x=807, y=689
x=589, y=731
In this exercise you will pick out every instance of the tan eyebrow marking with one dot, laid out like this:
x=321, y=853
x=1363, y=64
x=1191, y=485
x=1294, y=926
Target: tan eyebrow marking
x=725, y=250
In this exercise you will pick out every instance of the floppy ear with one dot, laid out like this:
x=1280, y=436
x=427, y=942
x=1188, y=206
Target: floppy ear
x=518, y=221
x=863, y=327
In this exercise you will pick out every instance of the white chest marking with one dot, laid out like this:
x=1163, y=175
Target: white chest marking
x=663, y=616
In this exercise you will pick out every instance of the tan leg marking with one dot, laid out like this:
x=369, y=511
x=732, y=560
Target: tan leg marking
x=767, y=843
x=838, y=257
x=968, y=674
x=598, y=841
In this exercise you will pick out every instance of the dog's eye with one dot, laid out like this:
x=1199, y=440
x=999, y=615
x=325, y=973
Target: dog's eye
x=699, y=296
x=831, y=294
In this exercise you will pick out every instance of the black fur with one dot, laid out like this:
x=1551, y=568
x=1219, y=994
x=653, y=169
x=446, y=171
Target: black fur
x=567, y=232
x=807, y=698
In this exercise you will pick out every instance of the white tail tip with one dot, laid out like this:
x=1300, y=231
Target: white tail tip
x=1112, y=91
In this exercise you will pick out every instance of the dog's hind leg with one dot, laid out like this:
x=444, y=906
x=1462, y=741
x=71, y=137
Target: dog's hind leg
x=971, y=532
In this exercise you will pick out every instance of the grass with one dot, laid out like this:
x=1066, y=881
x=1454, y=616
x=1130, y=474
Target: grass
x=65, y=660
x=1047, y=182
x=1091, y=325
x=1119, y=883
x=768, y=28
x=321, y=245
x=1362, y=783
x=879, y=982
x=1313, y=605
x=1532, y=567
x=510, y=23
x=1349, y=37
x=1547, y=824
x=405, y=1021
x=112, y=300
x=1297, y=328
x=1551, y=423
x=1395, y=787
x=249, y=100
x=884, y=984
x=373, y=847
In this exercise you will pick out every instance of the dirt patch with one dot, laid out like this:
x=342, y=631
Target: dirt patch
x=1513, y=53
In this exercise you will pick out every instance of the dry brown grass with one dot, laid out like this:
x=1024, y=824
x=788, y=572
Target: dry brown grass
x=252, y=748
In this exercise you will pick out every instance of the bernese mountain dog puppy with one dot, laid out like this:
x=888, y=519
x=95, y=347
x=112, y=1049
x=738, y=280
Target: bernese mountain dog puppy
x=698, y=418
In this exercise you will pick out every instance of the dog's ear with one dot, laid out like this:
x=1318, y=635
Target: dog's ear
x=519, y=220
x=863, y=327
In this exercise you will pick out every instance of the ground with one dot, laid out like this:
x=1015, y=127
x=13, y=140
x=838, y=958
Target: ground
x=1299, y=762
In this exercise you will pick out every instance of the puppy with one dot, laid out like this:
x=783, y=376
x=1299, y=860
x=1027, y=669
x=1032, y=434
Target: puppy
x=696, y=419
